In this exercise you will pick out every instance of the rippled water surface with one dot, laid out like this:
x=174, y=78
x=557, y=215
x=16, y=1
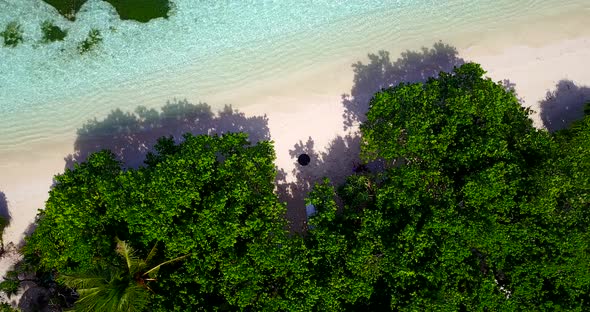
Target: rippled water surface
x=50, y=89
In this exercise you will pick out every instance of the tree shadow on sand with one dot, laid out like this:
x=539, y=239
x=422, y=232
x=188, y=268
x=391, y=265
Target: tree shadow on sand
x=5, y=219
x=338, y=161
x=131, y=135
x=564, y=105
x=341, y=158
x=4, y=212
x=381, y=72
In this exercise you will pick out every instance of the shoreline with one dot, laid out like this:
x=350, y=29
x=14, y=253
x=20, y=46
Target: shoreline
x=237, y=68
x=304, y=104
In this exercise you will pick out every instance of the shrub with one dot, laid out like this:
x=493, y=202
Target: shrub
x=6, y=307
x=12, y=34
x=9, y=287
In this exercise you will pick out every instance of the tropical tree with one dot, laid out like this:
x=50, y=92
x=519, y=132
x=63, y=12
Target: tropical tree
x=476, y=209
x=211, y=197
x=473, y=209
x=117, y=288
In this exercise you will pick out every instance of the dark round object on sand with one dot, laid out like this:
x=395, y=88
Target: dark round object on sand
x=303, y=159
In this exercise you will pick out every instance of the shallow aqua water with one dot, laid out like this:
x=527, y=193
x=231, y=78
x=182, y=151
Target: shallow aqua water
x=222, y=43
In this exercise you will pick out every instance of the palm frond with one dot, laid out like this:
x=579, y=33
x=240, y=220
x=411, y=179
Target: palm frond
x=128, y=253
x=155, y=269
x=121, y=288
x=84, y=280
x=135, y=298
x=152, y=253
x=89, y=299
x=142, y=265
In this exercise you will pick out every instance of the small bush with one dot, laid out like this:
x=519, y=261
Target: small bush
x=94, y=37
x=52, y=33
x=9, y=287
x=10, y=284
x=6, y=307
x=12, y=34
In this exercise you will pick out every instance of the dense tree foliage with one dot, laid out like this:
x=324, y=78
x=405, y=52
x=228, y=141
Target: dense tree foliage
x=476, y=209
x=210, y=197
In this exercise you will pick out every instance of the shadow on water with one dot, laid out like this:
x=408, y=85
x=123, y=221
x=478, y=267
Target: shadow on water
x=381, y=72
x=138, y=10
x=131, y=135
x=564, y=105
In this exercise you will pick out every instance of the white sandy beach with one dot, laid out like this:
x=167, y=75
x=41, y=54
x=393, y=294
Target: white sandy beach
x=308, y=104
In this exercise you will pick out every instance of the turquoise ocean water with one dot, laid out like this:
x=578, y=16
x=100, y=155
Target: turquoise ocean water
x=212, y=45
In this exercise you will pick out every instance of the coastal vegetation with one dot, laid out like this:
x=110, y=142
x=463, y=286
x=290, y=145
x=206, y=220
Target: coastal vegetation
x=6, y=307
x=209, y=197
x=12, y=34
x=52, y=32
x=118, y=288
x=138, y=10
x=11, y=284
x=472, y=208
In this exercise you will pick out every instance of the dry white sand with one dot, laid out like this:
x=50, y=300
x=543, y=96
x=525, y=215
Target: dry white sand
x=303, y=105
x=536, y=70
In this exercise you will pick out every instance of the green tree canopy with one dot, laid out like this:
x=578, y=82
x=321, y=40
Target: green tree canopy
x=211, y=197
x=117, y=288
x=475, y=210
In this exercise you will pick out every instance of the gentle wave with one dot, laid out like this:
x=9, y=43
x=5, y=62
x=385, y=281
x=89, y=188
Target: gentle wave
x=208, y=46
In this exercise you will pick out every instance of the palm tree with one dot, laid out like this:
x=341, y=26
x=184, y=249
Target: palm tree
x=122, y=288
